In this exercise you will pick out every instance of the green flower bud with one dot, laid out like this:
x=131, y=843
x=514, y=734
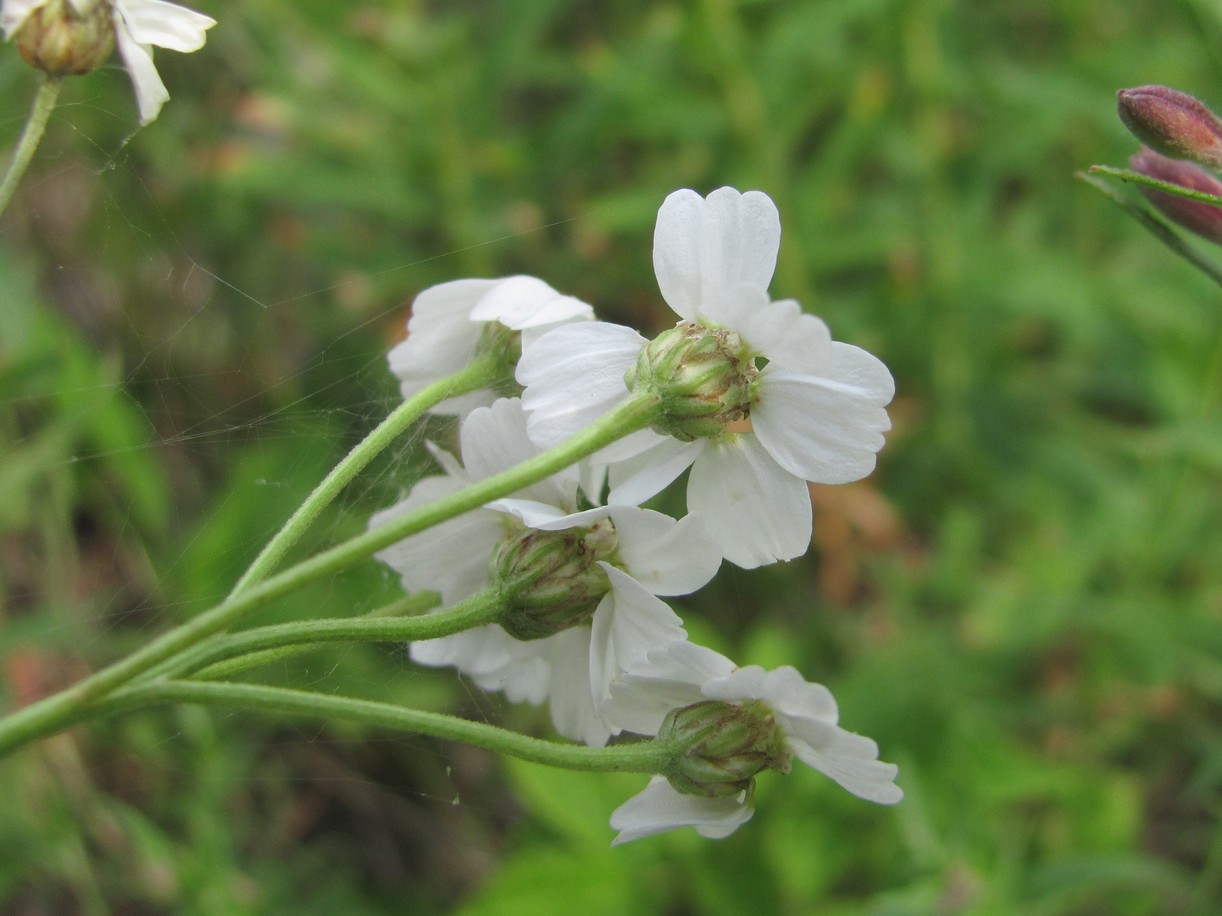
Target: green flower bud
x=729, y=744
x=506, y=343
x=552, y=578
x=1172, y=123
x=703, y=376
x=64, y=38
x=1195, y=215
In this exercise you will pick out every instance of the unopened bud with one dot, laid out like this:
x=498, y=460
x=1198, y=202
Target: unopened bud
x=1172, y=123
x=552, y=578
x=703, y=377
x=728, y=744
x=67, y=37
x=1195, y=215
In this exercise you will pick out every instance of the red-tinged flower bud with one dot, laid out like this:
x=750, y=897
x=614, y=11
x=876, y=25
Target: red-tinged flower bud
x=1172, y=123
x=1199, y=217
x=64, y=38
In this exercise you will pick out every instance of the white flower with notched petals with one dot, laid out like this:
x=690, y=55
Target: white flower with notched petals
x=816, y=410
x=139, y=25
x=682, y=674
x=573, y=669
x=449, y=319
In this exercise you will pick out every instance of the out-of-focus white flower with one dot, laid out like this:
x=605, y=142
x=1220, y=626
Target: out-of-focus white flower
x=641, y=553
x=449, y=322
x=683, y=677
x=138, y=26
x=814, y=411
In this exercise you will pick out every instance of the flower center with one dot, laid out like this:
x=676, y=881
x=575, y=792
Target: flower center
x=552, y=579
x=703, y=376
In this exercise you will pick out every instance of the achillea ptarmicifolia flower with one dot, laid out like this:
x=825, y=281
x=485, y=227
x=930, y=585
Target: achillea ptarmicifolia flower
x=73, y=37
x=739, y=722
x=452, y=322
x=755, y=395
x=582, y=585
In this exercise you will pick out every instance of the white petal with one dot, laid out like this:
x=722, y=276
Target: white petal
x=670, y=677
x=15, y=12
x=494, y=439
x=822, y=430
x=441, y=339
x=627, y=624
x=574, y=711
x=851, y=761
x=700, y=246
x=635, y=479
x=574, y=374
x=668, y=557
x=166, y=25
x=493, y=659
x=527, y=302
x=546, y=517
x=754, y=509
x=786, y=335
x=451, y=557
x=659, y=808
x=150, y=91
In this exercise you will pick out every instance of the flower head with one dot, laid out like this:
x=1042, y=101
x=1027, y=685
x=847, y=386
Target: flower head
x=451, y=322
x=1172, y=122
x=75, y=36
x=754, y=395
x=740, y=721
x=581, y=585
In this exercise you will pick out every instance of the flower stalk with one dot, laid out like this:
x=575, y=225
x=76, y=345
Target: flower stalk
x=52, y=713
x=643, y=757
x=31, y=136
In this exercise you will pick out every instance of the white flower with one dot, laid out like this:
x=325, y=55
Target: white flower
x=448, y=320
x=138, y=26
x=816, y=409
x=573, y=669
x=682, y=674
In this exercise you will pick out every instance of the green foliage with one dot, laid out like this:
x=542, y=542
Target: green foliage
x=1022, y=605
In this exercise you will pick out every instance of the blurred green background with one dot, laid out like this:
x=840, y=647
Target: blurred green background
x=1022, y=606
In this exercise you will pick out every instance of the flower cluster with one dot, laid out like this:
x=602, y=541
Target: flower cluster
x=755, y=398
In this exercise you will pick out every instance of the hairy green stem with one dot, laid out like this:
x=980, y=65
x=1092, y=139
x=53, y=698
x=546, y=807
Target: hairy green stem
x=643, y=757
x=205, y=653
x=48, y=715
x=482, y=372
x=1157, y=184
x=482, y=608
x=1153, y=224
x=36, y=123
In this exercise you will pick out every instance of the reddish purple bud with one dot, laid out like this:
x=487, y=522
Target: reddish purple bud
x=1172, y=123
x=1202, y=218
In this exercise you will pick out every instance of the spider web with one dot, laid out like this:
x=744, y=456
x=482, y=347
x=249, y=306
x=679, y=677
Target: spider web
x=273, y=423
